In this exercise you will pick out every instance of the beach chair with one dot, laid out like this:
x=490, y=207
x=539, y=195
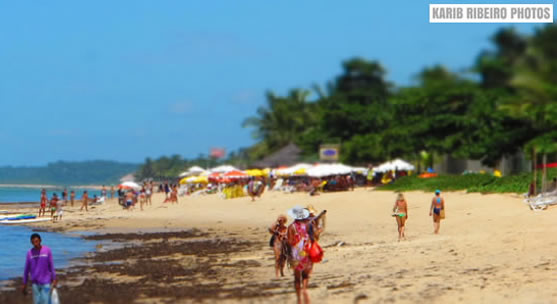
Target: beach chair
x=542, y=200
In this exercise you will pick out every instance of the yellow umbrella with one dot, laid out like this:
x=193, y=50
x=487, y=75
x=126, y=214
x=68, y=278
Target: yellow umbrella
x=183, y=181
x=201, y=179
x=254, y=172
x=301, y=171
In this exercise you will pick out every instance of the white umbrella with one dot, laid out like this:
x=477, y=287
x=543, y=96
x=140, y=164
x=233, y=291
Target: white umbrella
x=196, y=169
x=223, y=169
x=183, y=174
x=291, y=170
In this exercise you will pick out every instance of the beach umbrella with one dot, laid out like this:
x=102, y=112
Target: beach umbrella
x=183, y=174
x=196, y=169
x=223, y=169
x=292, y=170
x=255, y=172
x=235, y=174
x=402, y=165
x=201, y=180
x=301, y=171
x=129, y=185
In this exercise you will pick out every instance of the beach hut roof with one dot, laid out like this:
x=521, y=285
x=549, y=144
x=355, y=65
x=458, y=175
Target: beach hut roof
x=286, y=156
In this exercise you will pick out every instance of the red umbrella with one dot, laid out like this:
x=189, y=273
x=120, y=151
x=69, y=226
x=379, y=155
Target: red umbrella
x=236, y=174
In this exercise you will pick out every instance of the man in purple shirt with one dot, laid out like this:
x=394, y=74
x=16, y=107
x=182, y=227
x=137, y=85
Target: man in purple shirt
x=41, y=268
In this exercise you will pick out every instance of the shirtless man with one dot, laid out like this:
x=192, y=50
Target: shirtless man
x=437, y=205
x=85, y=201
x=129, y=200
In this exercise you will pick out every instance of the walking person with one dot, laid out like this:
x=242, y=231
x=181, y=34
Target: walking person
x=142, y=198
x=65, y=194
x=400, y=212
x=72, y=197
x=301, y=238
x=44, y=200
x=149, y=192
x=39, y=268
x=278, y=230
x=103, y=192
x=53, y=203
x=111, y=192
x=85, y=201
x=437, y=209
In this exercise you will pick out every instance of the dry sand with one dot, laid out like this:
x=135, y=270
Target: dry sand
x=491, y=248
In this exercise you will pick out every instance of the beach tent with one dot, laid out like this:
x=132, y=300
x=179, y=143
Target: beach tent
x=288, y=171
x=360, y=170
x=396, y=164
x=323, y=170
x=129, y=185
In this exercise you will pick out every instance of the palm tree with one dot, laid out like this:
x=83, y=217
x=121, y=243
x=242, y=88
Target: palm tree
x=535, y=79
x=282, y=120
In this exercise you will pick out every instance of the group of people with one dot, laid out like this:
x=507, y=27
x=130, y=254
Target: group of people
x=296, y=244
x=436, y=210
x=129, y=198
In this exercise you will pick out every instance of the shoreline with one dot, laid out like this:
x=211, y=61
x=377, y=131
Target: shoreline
x=40, y=186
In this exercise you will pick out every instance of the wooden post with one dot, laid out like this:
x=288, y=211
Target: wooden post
x=535, y=164
x=544, y=173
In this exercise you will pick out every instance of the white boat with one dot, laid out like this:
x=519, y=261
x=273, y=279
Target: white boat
x=27, y=221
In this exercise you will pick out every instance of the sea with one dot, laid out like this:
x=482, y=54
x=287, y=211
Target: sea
x=15, y=240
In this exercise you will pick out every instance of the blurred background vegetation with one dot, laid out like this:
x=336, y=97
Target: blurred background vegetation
x=503, y=102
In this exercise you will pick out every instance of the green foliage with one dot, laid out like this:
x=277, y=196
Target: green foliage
x=510, y=105
x=68, y=173
x=484, y=183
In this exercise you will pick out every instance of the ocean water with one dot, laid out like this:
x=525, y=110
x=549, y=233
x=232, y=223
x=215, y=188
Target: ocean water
x=15, y=242
x=11, y=195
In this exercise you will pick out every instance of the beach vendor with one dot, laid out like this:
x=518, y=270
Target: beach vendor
x=400, y=212
x=278, y=243
x=301, y=239
x=39, y=268
x=437, y=209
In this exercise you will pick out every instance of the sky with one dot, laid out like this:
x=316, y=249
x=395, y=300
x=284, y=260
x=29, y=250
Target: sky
x=125, y=80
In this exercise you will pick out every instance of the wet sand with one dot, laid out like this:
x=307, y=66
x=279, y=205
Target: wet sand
x=491, y=249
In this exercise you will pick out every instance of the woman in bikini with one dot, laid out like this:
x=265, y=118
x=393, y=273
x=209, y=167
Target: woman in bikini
x=437, y=205
x=400, y=212
x=278, y=230
x=44, y=200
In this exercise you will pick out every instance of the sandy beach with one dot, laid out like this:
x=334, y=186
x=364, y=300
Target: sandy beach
x=491, y=249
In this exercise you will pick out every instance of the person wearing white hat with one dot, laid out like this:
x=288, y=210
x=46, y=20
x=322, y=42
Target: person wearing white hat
x=298, y=238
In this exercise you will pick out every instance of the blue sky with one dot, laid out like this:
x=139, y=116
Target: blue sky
x=123, y=80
